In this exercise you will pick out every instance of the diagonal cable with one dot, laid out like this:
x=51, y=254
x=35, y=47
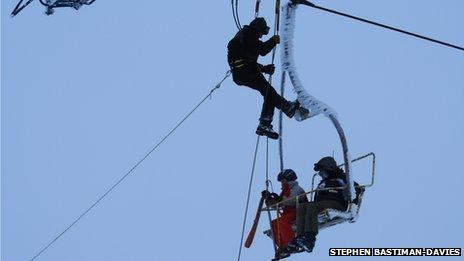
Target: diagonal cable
x=130, y=171
x=380, y=25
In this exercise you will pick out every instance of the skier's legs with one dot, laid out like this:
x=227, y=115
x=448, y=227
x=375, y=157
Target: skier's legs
x=286, y=221
x=301, y=217
x=312, y=212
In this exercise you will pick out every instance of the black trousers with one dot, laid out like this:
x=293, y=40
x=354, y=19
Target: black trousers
x=307, y=215
x=250, y=76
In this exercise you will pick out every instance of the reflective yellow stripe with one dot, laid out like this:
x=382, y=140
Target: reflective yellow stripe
x=238, y=63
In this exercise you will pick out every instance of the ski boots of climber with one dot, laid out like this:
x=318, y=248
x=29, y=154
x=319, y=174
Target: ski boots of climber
x=265, y=129
x=291, y=108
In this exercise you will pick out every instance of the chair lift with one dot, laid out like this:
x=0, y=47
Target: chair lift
x=51, y=4
x=331, y=217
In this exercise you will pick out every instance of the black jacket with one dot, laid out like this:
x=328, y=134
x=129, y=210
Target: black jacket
x=246, y=45
x=337, y=179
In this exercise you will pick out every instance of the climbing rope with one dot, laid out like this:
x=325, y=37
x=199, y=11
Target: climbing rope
x=235, y=14
x=257, y=5
x=268, y=181
x=131, y=169
x=248, y=198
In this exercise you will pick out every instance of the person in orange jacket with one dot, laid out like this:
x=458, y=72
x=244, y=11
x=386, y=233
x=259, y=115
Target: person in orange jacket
x=282, y=226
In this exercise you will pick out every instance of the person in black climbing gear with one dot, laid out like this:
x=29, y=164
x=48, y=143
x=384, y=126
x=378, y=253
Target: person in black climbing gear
x=282, y=226
x=307, y=213
x=243, y=52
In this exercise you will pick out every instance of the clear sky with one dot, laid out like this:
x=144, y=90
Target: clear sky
x=86, y=94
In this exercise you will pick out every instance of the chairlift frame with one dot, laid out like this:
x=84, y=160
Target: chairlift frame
x=76, y=4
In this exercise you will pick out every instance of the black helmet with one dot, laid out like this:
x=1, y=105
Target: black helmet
x=287, y=174
x=326, y=163
x=260, y=25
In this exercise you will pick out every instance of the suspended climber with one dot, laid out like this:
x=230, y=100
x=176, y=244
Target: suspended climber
x=243, y=52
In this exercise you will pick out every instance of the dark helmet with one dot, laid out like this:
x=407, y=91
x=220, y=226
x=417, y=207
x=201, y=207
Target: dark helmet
x=287, y=174
x=326, y=163
x=260, y=25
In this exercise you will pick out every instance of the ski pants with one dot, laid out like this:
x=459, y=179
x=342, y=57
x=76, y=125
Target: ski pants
x=250, y=76
x=307, y=221
x=282, y=228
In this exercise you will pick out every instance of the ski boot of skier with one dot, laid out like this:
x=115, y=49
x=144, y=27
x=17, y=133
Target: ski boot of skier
x=243, y=52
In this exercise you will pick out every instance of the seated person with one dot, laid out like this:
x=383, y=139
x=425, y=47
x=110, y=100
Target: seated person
x=282, y=226
x=307, y=213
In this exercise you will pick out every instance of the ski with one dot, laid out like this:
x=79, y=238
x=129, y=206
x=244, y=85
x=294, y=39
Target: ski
x=251, y=234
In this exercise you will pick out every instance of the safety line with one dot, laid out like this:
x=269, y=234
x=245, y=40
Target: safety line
x=248, y=197
x=268, y=181
x=132, y=169
x=383, y=26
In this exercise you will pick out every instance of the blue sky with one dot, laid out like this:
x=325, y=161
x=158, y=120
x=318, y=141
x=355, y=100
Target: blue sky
x=86, y=94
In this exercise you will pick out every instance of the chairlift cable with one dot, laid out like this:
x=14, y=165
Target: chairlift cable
x=131, y=170
x=382, y=25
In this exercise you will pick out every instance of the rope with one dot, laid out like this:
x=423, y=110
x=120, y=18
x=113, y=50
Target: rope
x=276, y=28
x=248, y=198
x=383, y=26
x=237, y=24
x=131, y=170
x=257, y=5
x=268, y=181
x=236, y=14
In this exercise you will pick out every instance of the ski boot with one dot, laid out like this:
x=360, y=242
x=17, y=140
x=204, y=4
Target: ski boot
x=266, y=130
x=281, y=254
x=307, y=242
x=291, y=108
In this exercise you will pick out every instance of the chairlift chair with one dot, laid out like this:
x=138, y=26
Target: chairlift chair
x=332, y=217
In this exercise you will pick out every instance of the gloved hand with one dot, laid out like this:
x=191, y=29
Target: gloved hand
x=275, y=196
x=269, y=69
x=265, y=194
x=276, y=39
